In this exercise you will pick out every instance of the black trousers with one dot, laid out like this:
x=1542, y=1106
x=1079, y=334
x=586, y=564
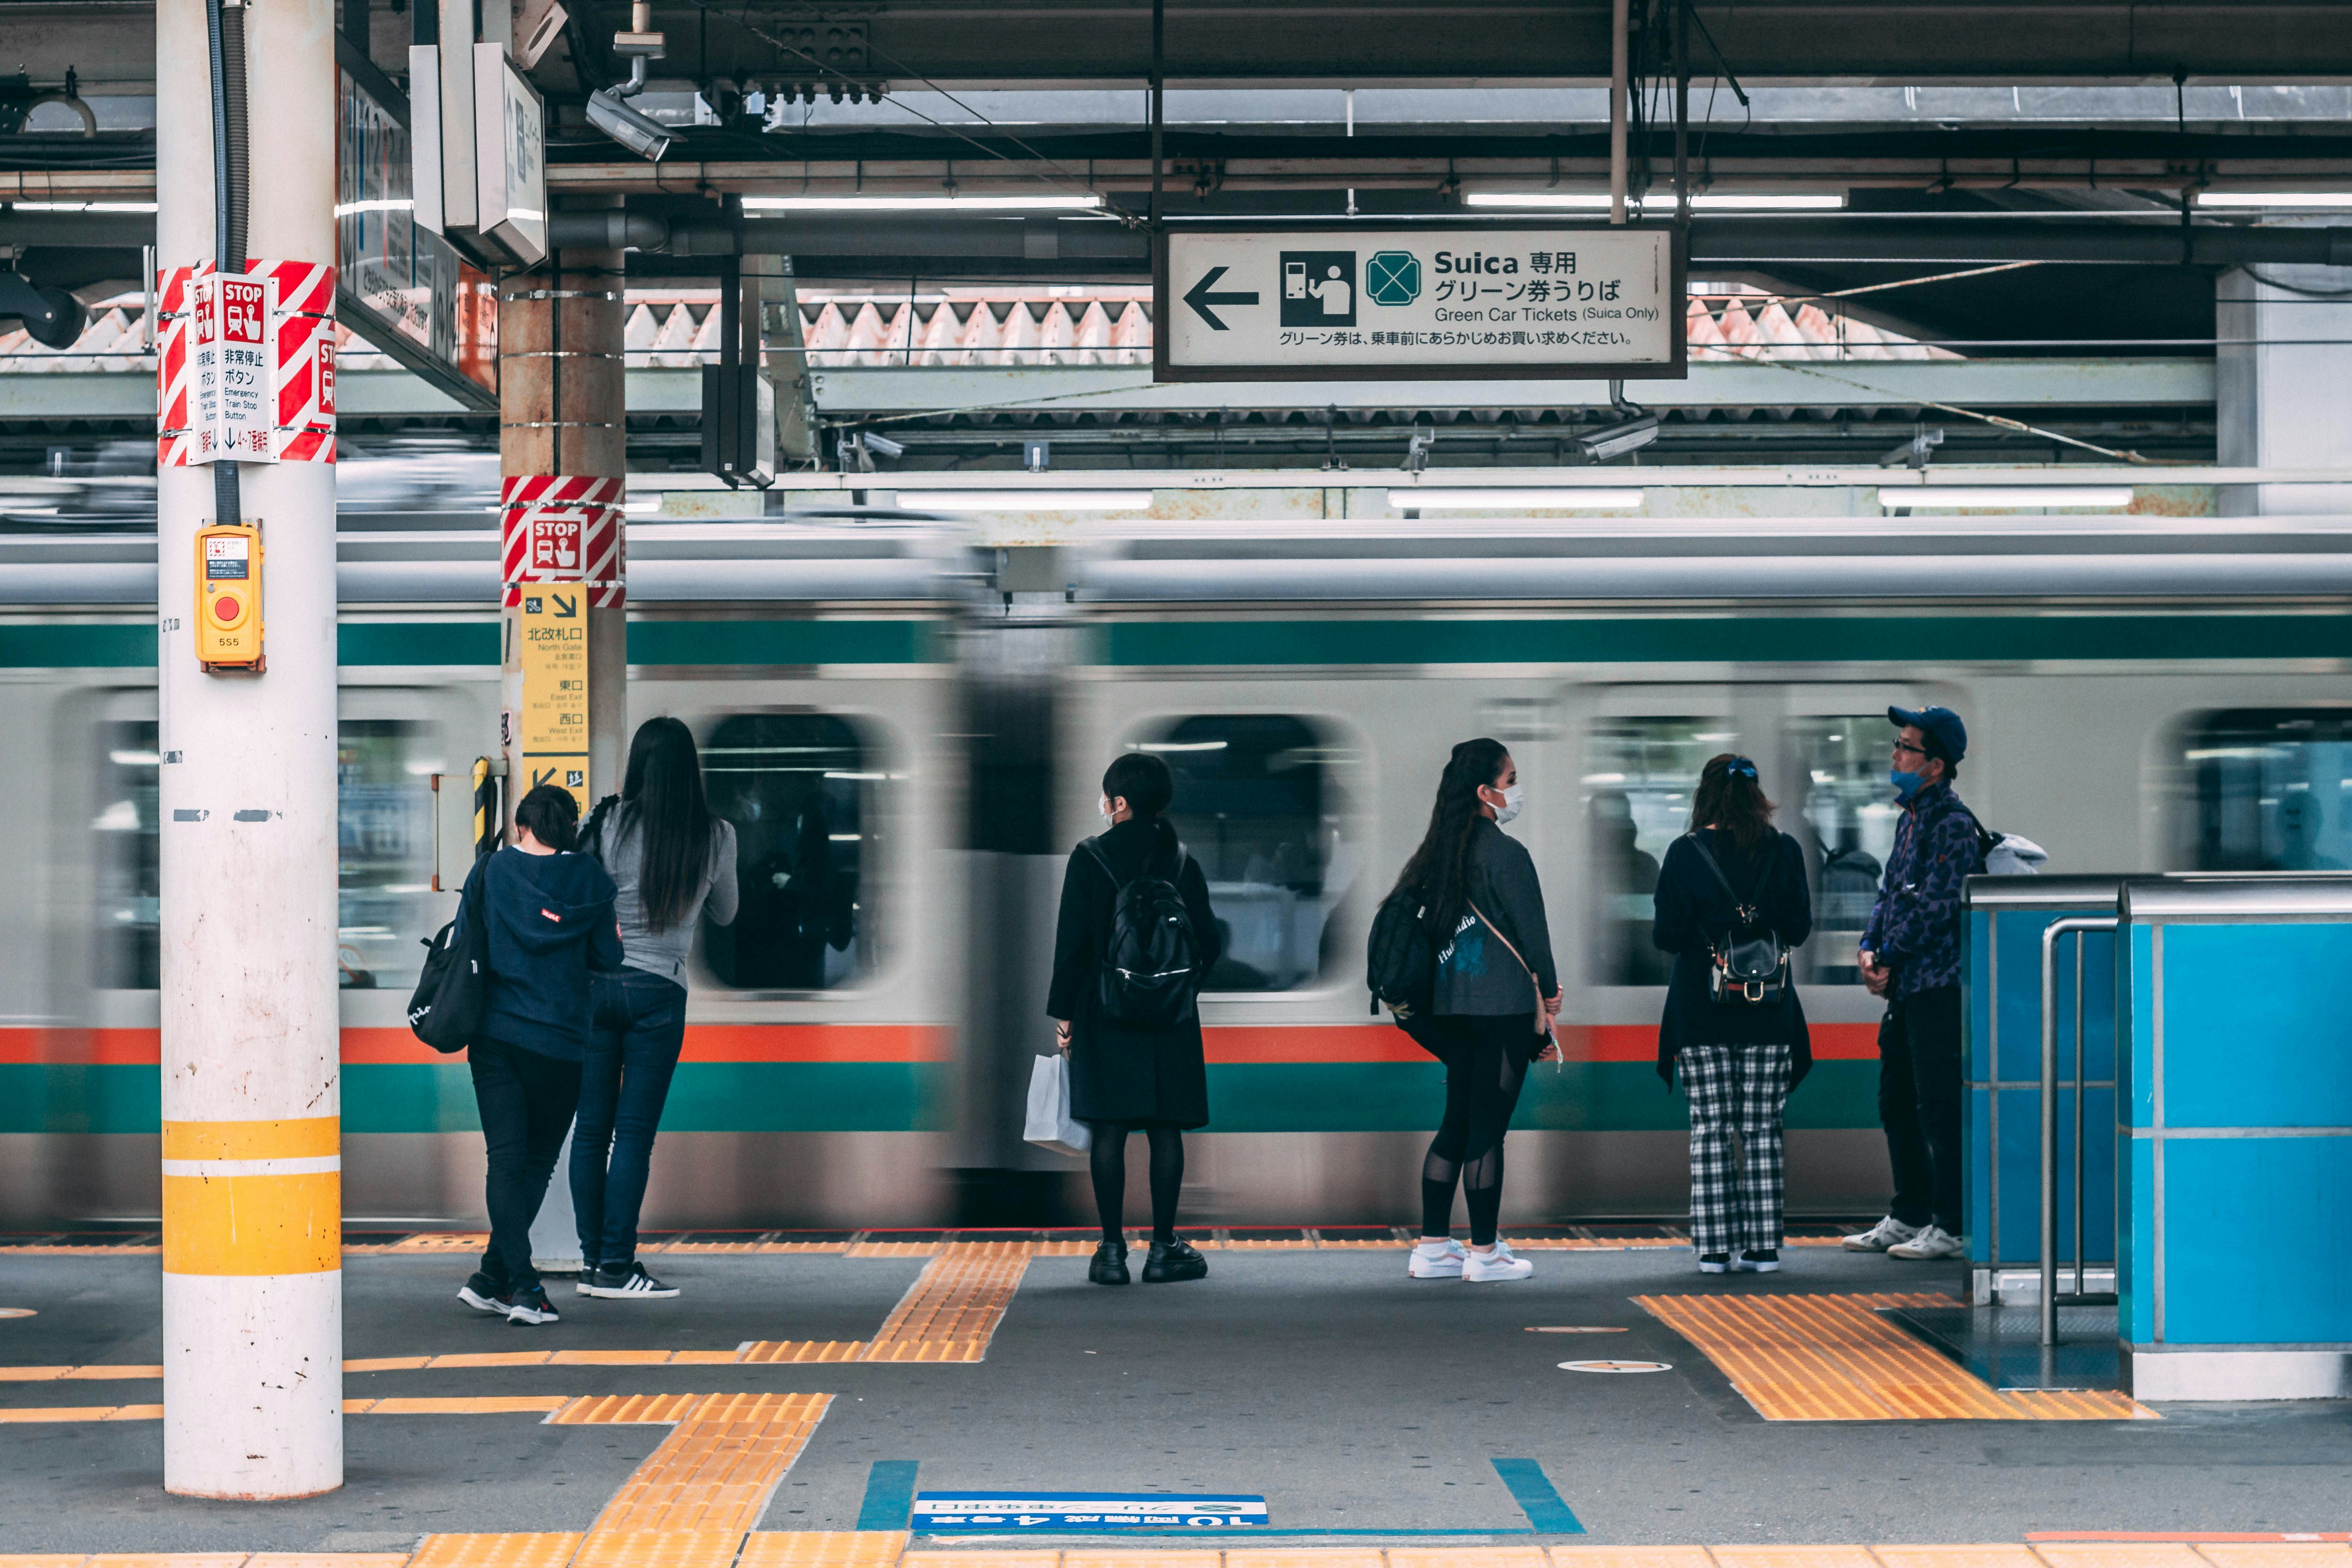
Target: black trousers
x=1486, y=1062
x=1919, y=1105
x=526, y=1101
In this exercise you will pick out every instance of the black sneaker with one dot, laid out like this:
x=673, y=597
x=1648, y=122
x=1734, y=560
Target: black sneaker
x=1109, y=1267
x=1714, y=1262
x=526, y=1307
x=587, y=1274
x=1758, y=1260
x=629, y=1281
x=1172, y=1260
x=484, y=1295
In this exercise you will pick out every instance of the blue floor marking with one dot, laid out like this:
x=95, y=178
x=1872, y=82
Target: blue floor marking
x=889, y=1495
x=1533, y=1490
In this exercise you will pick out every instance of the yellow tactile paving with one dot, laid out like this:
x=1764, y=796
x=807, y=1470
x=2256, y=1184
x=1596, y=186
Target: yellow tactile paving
x=825, y=1549
x=802, y=1350
x=1792, y=1557
x=1630, y=1557
x=44, y=1560
x=327, y=1560
x=496, y=1358
x=979, y=1560
x=476, y=1405
x=553, y=1550
x=1174, y=1557
x=1834, y=1358
x=48, y=1412
x=629, y=1410
x=2276, y=1553
x=1467, y=1557
x=1995, y=1556
x=165, y=1560
x=2119, y=1554
x=896, y=1249
x=388, y=1364
x=716, y=1470
x=953, y=1307
x=74, y=1374
x=659, y=1549
x=443, y=1241
x=1306, y=1557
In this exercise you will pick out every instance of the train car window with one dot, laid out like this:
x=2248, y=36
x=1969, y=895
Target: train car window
x=385, y=906
x=1847, y=827
x=1258, y=806
x=129, y=882
x=2271, y=790
x=799, y=788
x=1637, y=784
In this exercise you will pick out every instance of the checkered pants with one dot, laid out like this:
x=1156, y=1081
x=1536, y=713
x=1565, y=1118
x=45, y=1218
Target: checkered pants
x=1736, y=1206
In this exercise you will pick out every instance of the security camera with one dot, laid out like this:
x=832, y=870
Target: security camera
x=882, y=445
x=1617, y=439
x=645, y=136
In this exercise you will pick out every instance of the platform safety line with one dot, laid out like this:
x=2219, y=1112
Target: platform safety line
x=479, y=1405
x=1834, y=1358
x=712, y=1476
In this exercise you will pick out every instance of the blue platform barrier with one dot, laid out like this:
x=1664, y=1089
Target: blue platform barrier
x=2235, y=1137
x=2006, y=917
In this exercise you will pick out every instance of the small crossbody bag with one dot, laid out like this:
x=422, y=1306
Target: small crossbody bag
x=1747, y=967
x=1543, y=1024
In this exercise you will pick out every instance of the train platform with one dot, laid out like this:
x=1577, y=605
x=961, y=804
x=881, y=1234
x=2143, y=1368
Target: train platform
x=833, y=1400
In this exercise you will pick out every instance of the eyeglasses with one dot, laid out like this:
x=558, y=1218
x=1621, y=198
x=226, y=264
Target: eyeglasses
x=1902, y=746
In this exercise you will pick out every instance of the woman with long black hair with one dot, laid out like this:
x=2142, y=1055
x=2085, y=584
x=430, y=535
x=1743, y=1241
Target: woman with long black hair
x=1732, y=876
x=673, y=862
x=1495, y=997
x=1126, y=1076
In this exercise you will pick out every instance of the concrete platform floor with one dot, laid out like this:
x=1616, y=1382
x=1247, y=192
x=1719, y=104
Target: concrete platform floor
x=1353, y=1398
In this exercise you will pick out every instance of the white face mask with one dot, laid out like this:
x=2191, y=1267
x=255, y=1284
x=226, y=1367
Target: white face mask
x=1103, y=807
x=1513, y=798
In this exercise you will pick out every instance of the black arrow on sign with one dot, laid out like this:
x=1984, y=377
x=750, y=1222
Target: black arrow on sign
x=1199, y=298
x=541, y=776
x=566, y=609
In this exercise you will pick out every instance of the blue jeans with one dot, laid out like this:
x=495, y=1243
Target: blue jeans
x=640, y=1025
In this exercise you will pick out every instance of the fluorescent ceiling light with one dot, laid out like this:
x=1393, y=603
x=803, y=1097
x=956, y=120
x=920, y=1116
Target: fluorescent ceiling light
x=641, y=505
x=1026, y=500
x=84, y=207
x=1922, y=498
x=1596, y=201
x=376, y=204
x=1578, y=499
x=2338, y=200
x=1181, y=745
x=919, y=204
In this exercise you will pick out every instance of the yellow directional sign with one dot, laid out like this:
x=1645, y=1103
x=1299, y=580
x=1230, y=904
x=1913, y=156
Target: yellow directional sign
x=554, y=631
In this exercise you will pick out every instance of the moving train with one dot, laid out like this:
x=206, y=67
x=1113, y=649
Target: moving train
x=907, y=720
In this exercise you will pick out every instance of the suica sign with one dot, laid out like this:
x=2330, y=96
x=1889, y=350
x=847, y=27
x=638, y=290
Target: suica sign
x=1441, y=300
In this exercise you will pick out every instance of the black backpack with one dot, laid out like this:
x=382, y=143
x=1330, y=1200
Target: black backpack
x=1150, y=971
x=454, y=990
x=1750, y=965
x=1400, y=961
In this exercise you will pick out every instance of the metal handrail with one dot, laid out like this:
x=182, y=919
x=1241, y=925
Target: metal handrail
x=2050, y=934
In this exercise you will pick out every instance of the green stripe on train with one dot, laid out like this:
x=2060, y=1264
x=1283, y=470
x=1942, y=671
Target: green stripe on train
x=906, y=1097
x=1725, y=639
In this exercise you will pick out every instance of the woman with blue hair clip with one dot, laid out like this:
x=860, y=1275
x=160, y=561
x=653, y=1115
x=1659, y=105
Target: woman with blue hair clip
x=1732, y=906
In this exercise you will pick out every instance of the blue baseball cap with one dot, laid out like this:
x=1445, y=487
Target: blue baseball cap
x=1947, y=737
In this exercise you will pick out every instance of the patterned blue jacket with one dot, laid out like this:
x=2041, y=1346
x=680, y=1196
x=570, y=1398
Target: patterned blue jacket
x=1914, y=929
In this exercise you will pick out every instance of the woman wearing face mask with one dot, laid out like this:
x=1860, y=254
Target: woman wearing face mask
x=1125, y=1076
x=1497, y=996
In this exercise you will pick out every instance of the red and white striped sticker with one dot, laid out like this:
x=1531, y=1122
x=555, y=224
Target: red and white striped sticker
x=564, y=529
x=301, y=393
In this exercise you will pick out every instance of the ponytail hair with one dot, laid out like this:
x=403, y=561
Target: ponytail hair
x=1435, y=872
x=1730, y=797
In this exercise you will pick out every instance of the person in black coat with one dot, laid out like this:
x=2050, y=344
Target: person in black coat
x=1738, y=1060
x=1125, y=1076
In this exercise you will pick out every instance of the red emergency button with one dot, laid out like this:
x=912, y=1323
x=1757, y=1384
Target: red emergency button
x=227, y=609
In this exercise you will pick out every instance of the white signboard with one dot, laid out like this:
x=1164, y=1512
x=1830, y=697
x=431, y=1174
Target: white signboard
x=510, y=152
x=233, y=368
x=1441, y=300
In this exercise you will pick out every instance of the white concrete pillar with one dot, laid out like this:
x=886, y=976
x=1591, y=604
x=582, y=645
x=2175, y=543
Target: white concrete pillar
x=2281, y=396
x=252, y=1133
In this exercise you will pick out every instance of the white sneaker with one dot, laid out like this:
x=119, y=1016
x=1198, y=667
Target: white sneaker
x=1933, y=1241
x=1888, y=1232
x=1488, y=1268
x=1436, y=1260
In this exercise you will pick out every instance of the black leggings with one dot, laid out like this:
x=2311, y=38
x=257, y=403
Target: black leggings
x=1485, y=1063
x=1109, y=1166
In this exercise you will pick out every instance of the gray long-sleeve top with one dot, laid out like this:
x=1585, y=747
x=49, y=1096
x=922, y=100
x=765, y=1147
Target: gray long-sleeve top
x=1475, y=973
x=662, y=952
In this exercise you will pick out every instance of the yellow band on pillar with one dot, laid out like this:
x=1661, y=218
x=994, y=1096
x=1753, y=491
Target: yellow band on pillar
x=304, y=1138
x=279, y=1224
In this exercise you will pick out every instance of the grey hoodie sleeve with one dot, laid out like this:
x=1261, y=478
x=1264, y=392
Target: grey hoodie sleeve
x=724, y=895
x=1513, y=873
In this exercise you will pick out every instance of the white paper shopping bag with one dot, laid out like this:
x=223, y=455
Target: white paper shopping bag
x=1050, y=1126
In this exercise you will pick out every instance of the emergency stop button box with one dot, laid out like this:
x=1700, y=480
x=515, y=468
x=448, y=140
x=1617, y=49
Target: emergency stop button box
x=228, y=597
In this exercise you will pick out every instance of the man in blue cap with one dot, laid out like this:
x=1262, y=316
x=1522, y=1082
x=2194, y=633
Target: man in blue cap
x=1911, y=955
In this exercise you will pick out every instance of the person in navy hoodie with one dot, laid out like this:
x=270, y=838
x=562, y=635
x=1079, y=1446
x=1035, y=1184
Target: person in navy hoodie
x=549, y=917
